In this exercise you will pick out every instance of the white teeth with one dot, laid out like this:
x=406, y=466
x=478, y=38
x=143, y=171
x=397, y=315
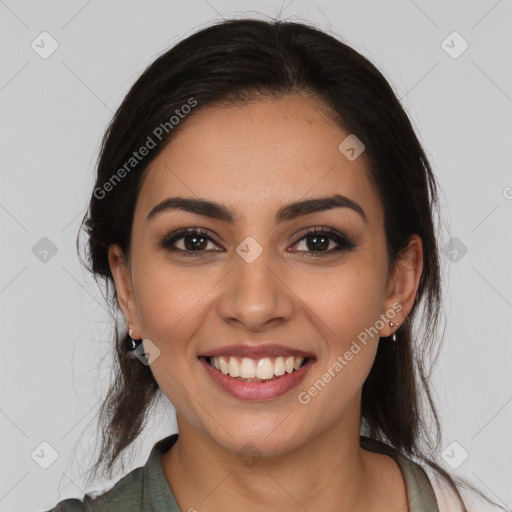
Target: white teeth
x=234, y=367
x=224, y=365
x=248, y=368
x=265, y=369
x=279, y=366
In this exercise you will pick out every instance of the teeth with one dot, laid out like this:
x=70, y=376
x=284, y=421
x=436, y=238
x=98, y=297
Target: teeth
x=248, y=368
x=279, y=366
x=264, y=369
x=224, y=366
x=234, y=367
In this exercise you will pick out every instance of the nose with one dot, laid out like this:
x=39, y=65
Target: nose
x=255, y=295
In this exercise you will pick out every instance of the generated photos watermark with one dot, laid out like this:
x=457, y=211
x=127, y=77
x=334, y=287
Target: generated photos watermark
x=304, y=397
x=159, y=134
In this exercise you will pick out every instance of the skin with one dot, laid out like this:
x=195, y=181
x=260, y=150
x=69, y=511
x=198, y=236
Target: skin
x=267, y=152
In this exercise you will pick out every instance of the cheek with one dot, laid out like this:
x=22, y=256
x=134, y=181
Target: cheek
x=342, y=300
x=170, y=303
x=172, y=306
x=343, y=306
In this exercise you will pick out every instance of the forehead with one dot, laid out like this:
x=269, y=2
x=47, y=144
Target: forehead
x=268, y=151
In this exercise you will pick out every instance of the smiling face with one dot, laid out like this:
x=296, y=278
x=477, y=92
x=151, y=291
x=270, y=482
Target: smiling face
x=253, y=280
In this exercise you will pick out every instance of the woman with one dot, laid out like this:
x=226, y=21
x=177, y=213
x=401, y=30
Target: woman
x=266, y=214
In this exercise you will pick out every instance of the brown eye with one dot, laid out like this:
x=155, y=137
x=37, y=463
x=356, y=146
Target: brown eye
x=193, y=241
x=319, y=240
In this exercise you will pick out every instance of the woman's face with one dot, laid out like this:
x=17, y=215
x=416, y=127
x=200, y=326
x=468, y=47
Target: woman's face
x=254, y=281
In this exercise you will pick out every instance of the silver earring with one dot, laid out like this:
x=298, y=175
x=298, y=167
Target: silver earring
x=393, y=337
x=133, y=344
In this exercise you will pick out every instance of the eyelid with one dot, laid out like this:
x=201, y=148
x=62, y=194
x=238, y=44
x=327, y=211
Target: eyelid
x=344, y=242
x=175, y=235
x=322, y=230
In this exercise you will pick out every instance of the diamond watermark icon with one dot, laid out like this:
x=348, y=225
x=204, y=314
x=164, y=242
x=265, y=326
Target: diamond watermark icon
x=44, y=45
x=44, y=250
x=44, y=455
x=455, y=455
x=146, y=352
x=351, y=147
x=249, y=460
x=454, y=45
x=249, y=249
x=455, y=249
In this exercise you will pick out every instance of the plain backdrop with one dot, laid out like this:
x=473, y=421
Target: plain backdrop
x=54, y=328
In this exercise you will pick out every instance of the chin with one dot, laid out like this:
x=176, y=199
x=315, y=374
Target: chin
x=262, y=440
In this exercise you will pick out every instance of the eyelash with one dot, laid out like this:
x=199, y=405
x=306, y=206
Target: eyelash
x=344, y=242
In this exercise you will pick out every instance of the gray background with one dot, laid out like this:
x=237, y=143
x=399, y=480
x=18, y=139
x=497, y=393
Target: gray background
x=54, y=328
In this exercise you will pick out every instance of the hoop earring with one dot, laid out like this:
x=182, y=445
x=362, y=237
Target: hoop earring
x=133, y=344
x=393, y=337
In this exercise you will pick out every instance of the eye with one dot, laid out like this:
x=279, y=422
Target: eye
x=193, y=241
x=317, y=241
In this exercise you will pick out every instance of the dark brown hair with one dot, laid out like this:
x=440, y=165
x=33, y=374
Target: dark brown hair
x=234, y=61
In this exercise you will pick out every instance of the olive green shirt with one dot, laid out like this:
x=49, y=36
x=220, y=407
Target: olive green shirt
x=145, y=489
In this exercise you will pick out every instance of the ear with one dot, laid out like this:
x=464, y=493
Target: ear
x=121, y=273
x=403, y=284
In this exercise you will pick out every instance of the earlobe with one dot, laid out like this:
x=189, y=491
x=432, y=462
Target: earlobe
x=120, y=269
x=404, y=282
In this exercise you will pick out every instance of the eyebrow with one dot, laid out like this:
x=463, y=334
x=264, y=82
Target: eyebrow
x=288, y=212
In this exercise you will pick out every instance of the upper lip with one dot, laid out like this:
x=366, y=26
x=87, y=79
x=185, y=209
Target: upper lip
x=256, y=351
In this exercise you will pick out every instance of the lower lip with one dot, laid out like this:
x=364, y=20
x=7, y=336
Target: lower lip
x=257, y=390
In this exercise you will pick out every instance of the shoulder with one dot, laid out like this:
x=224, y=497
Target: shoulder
x=142, y=489
x=448, y=500
x=406, y=474
x=69, y=505
x=125, y=496
x=446, y=496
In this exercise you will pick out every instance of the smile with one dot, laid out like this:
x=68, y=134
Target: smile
x=256, y=379
x=262, y=370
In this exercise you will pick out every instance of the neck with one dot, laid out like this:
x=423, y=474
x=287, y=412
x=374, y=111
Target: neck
x=330, y=472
